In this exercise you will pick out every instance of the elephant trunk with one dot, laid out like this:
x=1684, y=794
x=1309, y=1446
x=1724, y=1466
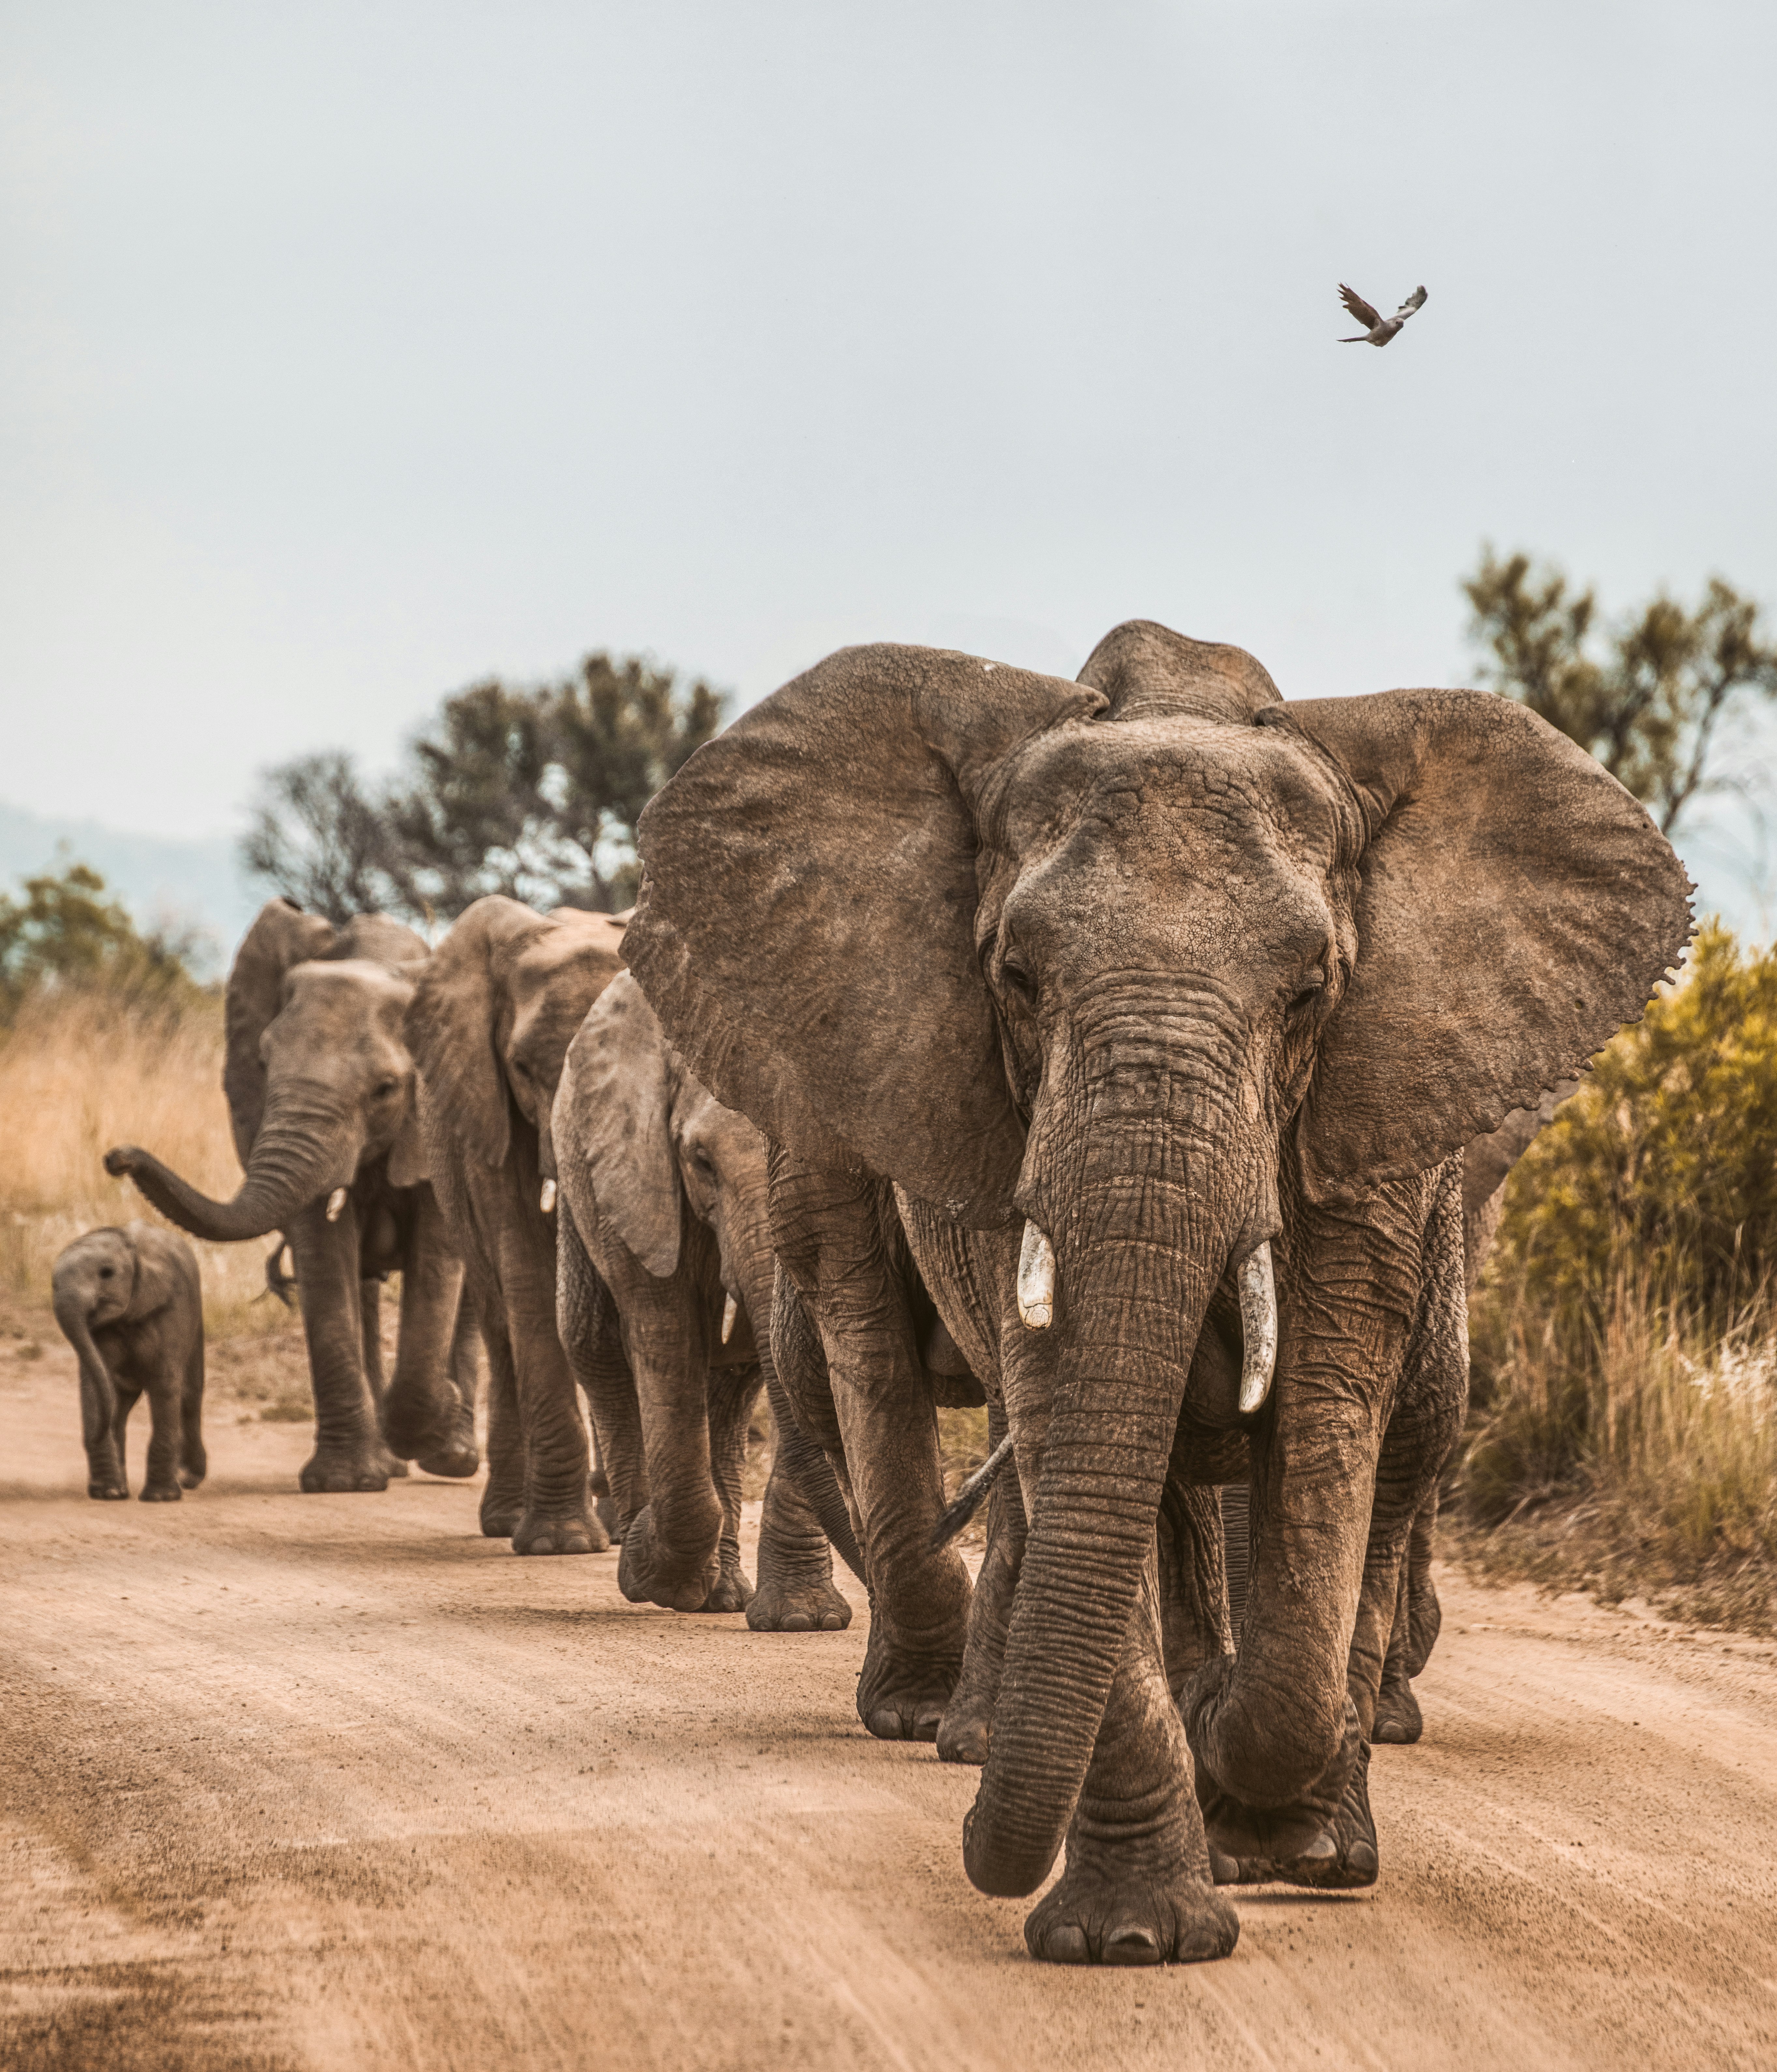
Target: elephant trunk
x=1140, y=1245
x=98, y=1398
x=308, y=1146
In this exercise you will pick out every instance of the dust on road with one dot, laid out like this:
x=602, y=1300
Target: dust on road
x=332, y=1781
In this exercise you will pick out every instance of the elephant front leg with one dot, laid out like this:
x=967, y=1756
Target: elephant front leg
x=732, y=1393
x=1137, y=1887
x=101, y=1431
x=425, y=1417
x=502, y=1498
x=795, y=1592
x=966, y=1729
x=370, y=1291
x=349, y=1453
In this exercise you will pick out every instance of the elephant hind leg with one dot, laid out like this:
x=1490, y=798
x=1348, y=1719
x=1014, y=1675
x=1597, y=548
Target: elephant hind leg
x=194, y=1462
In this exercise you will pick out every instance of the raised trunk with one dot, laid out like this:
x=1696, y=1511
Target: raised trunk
x=308, y=1144
x=1140, y=1245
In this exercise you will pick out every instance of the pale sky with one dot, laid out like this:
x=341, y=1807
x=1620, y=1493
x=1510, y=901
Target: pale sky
x=350, y=352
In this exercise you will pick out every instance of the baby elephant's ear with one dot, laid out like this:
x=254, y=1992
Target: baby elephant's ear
x=1517, y=906
x=806, y=928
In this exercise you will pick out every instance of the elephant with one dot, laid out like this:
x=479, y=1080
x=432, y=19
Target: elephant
x=130, y=1302
x=662, y=1207
x=1486, y=1163
x=489, y=1024
x=320, y=1088
x=1158, y=1012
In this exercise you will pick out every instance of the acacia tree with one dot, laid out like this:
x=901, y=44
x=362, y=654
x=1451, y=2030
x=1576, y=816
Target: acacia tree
x=1648, y=699
x=65, y=933
x=319, y=838
x=534, y=791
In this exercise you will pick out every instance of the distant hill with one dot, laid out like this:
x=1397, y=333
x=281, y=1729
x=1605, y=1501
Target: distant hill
x=194, y=883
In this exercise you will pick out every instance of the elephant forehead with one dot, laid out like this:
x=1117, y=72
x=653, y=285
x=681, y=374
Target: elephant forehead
x=351, y=990
x=1175, y=786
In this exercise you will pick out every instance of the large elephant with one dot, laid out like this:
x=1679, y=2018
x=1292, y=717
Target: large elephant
x=489, y=1023
x=1167, y=1008
x=320, y=1087
x=663, y=1204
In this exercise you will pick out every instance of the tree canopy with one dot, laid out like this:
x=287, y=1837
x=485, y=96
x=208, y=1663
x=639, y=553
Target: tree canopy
x=1647, y=699
x=531, y=791
x=64, y=932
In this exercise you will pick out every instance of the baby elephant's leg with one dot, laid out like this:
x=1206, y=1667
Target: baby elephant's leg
x=160, y=1483
x=193, y=1463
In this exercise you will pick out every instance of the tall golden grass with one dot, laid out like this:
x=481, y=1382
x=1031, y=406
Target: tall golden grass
x=81, y=1071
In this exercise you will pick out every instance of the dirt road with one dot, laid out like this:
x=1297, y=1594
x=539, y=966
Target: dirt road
x=332, y=1781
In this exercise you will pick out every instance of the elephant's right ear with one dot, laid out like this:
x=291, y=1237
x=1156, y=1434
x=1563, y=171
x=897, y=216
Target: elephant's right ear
x=806, y=928
x=452, y=1025
x=281, y=936
x=612, y=1119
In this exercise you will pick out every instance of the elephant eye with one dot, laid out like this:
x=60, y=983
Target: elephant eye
x=1308, y=992
x=105, y=1272
x=385, y=1087
x=1018, y=982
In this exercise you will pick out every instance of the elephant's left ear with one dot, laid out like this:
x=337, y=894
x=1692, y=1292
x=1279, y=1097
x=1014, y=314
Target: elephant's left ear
x=1516, y=908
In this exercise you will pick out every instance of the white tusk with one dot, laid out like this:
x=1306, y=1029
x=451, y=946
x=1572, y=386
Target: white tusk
x=730, y=1310
x=336, y=1202
x=1035, y=1280
x=1257, y=1328
x=546, y=1200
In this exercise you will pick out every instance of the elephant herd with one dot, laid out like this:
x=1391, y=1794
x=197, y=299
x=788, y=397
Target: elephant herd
x=1141, y=1055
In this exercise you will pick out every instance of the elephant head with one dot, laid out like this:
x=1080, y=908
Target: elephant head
x=1136, y=962
x=494, y=1012
x=648, y=1144
x=317, y=1075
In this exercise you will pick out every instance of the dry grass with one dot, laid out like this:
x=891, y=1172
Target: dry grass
x=79, y=1073
x=1649, y=1470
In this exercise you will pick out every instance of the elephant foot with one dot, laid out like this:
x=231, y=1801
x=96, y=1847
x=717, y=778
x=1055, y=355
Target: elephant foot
x=574, y=1532
x=783, y=1604
x=732, y=1593
x=161, y=1493
x=343, y=1470
x=1341, y=1857
x=966, y=1732
x=502, y=1507
x=109, y=1492
x=795, y=1592
x=645, y=1576
x=397, y=1470
x=1425, y=1616
x=1117, y=1903
x=446, y=1446
x=902, y=1695
x=1398, y=1722
x=190, y=1477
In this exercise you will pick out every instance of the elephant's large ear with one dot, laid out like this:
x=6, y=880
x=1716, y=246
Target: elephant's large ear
x=452, y=1024
x=281, y=935
x=805, y=931
x=612, y=1118
x=1516, y=908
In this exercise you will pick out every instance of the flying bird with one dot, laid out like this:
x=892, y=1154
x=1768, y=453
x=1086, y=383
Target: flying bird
x=1378, y=330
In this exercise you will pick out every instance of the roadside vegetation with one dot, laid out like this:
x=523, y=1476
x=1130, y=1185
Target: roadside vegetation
x=1623, y=1433
x=106, y=1039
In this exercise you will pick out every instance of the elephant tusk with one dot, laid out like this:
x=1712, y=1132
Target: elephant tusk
x=730, y=1310
x=336, y=1202
x=1035, y=1280
x=546, y=1199
x=1257, y=1328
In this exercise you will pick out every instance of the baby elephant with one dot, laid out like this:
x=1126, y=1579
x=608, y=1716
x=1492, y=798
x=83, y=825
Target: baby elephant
x=130, y=1304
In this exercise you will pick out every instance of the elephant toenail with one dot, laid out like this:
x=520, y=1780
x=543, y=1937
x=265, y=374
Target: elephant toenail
x=1224, y=1870
x=1133, y=1945
x=795, y=1622
x=832, y=1622
x=1323, y=1849
x=1362, y=1859
x=885, y=1725
x=1066, y=1945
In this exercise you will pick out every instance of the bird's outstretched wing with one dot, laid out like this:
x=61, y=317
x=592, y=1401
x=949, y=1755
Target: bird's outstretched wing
x=1359, y=308
x=1415, y=300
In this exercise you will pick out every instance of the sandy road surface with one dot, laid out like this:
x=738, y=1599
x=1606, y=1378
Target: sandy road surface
x=330, y=1781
